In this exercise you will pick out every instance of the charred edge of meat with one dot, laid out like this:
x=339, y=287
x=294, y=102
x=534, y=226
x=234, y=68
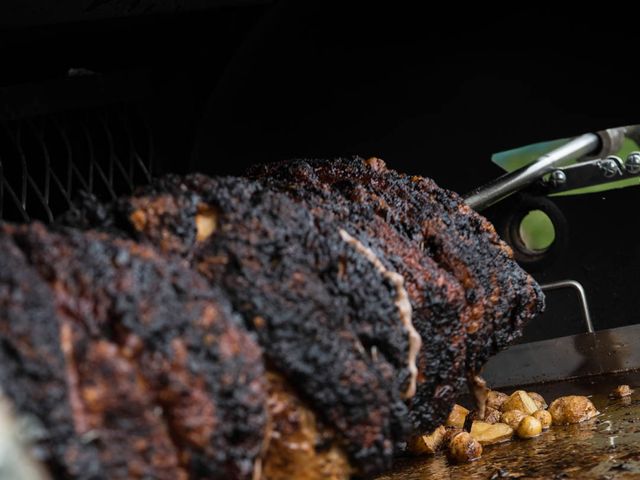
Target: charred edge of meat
x=436, y=296
x=402, y=303
x=322, y=305
x=185, y=354
x=501, y=297
x=288, y=274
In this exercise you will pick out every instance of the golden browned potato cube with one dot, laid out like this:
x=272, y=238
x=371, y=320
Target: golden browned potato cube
x=457, y=416
x=538, y=400
x=491, y=415
x=495, y=399
x=488, y=433
x=571, y=409
x=520, y=400
x=529, y=427
x=464, y=448
x=621, y=391
x=427, y=444
x=544, y=418
x=512, y=418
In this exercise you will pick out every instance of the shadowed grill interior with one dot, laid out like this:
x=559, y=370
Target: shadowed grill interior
x=46, y=160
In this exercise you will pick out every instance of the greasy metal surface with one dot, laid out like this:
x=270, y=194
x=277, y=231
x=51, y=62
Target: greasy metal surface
x=606, y=351
x=607, y=447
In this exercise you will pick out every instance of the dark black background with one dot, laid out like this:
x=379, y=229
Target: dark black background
x=432, y=89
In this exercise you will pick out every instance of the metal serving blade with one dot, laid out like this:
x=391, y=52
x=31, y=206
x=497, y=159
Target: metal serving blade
x=587, y=354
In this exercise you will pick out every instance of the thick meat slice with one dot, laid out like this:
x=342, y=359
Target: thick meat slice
x=161, y=380
x=500, y=296
x=327, y=316
x=33, y=370
x=437, y=298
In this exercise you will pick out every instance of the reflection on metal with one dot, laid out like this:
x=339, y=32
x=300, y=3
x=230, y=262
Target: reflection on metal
x=632, y=164
x=505, y=185
x=587, y=354
x=611, y=166
x=557, y=178
x=594, y=145
x=581, y=295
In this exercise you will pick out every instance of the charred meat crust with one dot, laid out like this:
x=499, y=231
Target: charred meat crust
x=437, y=298
x=165, y=381
x=32, y=367
x=323, y=313
x=499, y=296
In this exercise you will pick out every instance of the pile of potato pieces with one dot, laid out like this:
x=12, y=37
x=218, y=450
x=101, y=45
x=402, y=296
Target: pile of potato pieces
x=522, y=414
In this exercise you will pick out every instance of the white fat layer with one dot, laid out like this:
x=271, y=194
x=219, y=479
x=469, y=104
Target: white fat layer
x=402, y=303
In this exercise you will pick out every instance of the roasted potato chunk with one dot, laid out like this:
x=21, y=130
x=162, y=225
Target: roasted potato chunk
x=529, y=427
x=427, y=444
x=464, y=448
x=457, y=416
x=621, y=391
x=495, y=399
x=450, y=433
x=538, y=400
x=512, y=418
x=544, y=418
x=520, y=400
x=571, y=409
x=488, y=434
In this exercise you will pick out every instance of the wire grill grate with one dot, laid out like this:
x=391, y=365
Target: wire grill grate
x=46, y=161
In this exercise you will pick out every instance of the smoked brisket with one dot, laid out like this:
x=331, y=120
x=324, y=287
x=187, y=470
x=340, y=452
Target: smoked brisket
x=136, y=367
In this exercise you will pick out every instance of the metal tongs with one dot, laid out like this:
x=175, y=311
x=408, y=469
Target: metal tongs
x=597, y=165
